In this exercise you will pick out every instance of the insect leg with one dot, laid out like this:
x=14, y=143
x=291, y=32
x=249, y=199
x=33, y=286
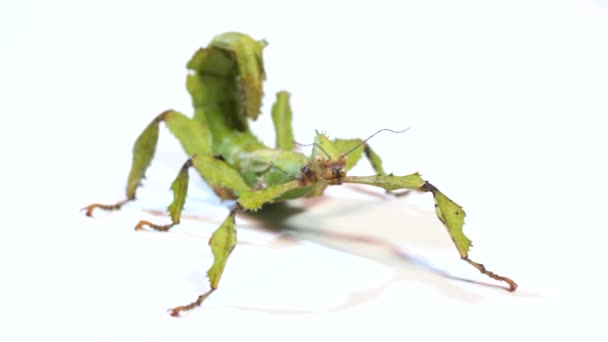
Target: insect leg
x=223, y=240
x=194, y=137
x=180, y=190
x=281, y=118
x=449, y=213
x=226, y=182
x=222, y=243
x=254, y=200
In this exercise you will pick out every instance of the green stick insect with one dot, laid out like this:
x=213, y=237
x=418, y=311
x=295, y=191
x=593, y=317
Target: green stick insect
x=225, y=82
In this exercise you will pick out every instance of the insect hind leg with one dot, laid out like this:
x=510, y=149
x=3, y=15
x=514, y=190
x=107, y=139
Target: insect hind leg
x=194, y=137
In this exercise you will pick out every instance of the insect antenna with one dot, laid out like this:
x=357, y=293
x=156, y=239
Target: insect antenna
x=303, y=145
x=316, y=145
x=371, y=136
x=322, y=150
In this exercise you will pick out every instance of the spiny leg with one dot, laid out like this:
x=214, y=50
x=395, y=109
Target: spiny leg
x=449, y=213
x=193, y=136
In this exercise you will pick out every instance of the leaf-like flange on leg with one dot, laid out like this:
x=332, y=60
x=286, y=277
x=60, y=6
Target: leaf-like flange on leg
x=180, y=190
x=249, y=58
x=179, y=186
x=254, y=200
x=194, y=136
x=143, y=152
x=452, y=215
x=229, y=71
x=218, y=172
x=222, y=243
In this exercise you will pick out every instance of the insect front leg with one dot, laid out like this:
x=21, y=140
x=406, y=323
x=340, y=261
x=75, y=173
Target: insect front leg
x=449, y=213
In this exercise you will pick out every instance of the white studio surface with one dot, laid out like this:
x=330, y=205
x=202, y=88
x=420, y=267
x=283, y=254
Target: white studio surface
x=506, y=103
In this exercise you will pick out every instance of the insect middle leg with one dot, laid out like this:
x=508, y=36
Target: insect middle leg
x=223, y=240
x=222, y=243
x=180, y=191
x=208, y=167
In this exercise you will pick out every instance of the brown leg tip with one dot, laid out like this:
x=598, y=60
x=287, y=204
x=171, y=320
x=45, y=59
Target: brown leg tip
x=175, y=311
x=161, y=228
x=512, y=284
x=140, y=225
x=89, y=209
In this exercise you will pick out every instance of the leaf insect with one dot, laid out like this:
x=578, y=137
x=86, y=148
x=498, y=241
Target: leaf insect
x=225, y=82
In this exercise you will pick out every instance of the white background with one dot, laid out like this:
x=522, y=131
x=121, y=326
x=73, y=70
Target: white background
x=506, y=103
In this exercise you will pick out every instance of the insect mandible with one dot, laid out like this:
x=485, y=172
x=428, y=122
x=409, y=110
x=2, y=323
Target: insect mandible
x=226, y=85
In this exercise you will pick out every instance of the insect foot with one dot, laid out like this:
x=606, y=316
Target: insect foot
x=161, y=228
x=108, y=207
